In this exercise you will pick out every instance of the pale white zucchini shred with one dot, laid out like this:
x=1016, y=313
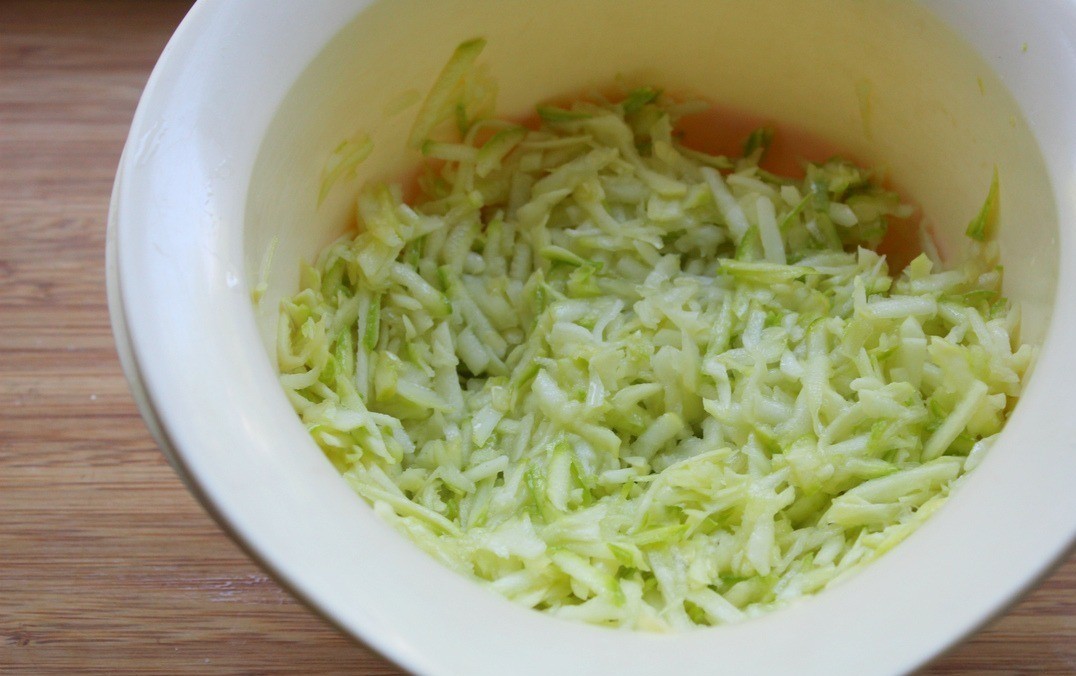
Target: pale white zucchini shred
x=633, y=384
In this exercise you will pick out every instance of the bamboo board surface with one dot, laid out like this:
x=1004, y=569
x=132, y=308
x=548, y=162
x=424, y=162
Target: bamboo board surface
x=107, y=564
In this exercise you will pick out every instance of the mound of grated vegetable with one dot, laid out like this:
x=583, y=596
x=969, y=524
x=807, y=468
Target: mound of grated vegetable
x=633, y=384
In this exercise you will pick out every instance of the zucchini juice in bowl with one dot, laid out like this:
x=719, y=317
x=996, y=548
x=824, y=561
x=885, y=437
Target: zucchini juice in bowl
x=624, y=380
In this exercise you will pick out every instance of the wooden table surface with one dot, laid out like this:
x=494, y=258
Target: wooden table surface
x=107, y=564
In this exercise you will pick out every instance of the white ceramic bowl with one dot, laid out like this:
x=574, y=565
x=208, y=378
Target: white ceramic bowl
x=224, y=154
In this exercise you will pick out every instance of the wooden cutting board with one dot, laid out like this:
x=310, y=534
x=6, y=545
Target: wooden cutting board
x=107, y=565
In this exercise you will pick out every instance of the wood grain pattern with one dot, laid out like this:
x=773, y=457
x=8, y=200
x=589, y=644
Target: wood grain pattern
x=107, y=565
